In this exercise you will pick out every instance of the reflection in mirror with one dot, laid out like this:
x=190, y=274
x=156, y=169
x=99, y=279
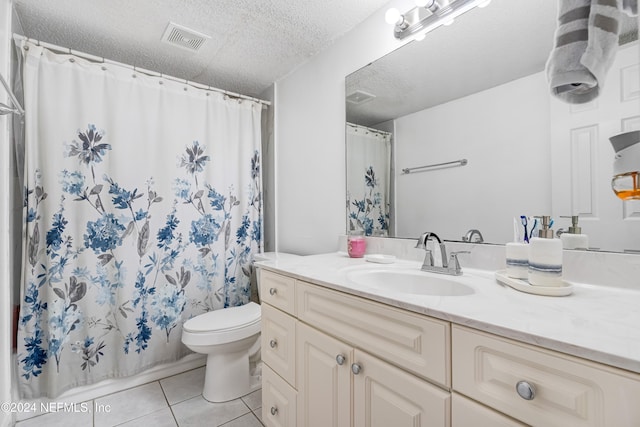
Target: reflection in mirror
x=368, y=171
x=477, y=90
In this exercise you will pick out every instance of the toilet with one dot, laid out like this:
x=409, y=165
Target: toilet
x=230, y=337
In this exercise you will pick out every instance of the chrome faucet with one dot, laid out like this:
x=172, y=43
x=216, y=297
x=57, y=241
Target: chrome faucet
x=469, y=236
x=452, y=267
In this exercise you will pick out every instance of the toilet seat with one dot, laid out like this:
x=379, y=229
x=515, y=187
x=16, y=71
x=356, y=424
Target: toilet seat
x=222, y=326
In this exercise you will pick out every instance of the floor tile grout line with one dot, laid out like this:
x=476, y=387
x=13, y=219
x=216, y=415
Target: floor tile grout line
x=239, y=416
x=166, y=398
x=243, y=415
x=150, y=413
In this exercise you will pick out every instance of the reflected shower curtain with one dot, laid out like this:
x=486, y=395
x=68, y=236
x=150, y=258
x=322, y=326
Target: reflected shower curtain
x=368, y=173
x=142, y=209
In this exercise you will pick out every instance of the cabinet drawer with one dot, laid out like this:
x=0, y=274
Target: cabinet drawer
x=278, y=290
x=279, y=400
x=278, y=341
x=407, y=340
x=465, y=413
x=567, y=391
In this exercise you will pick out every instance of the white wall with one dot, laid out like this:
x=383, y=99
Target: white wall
x=310, y=135
x=268, y=171
x=490, y=129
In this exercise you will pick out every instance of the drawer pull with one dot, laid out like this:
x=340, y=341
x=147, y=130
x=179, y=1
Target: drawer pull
x=340, y=359
x=525, y=390
x=273, y=343
x=273, y=291
x=355, y=368
x=274, y=410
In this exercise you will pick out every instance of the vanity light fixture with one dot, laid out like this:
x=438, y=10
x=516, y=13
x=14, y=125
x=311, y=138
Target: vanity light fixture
x=428, y=15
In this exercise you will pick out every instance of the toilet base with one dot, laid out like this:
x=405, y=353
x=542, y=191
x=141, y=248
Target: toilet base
x=229, y=376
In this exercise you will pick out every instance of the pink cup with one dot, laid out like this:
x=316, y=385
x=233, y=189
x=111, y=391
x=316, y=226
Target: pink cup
x=356, y=246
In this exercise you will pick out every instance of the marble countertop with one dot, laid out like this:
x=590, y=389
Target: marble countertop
x=597, y=323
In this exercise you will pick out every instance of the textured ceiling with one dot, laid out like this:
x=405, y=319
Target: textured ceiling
x=253, y=43
x=483, y=48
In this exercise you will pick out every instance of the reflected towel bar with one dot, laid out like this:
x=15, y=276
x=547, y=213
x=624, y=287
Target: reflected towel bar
x=460, y=162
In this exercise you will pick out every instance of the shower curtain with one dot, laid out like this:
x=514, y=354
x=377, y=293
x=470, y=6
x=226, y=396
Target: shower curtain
x=142, y=209
x=368, y=173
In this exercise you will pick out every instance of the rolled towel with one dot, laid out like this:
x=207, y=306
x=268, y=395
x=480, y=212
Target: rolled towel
x=569, y=79
x=630, y=7
x=604, y=26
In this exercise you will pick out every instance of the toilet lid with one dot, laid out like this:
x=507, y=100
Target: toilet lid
x=224, y=319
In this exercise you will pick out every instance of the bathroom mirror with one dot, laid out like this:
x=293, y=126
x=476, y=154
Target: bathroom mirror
x=476, y=92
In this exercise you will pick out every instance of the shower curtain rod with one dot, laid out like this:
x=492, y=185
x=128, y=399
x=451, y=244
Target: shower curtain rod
x=377, y=131
x=5, y=109
x=102, y=60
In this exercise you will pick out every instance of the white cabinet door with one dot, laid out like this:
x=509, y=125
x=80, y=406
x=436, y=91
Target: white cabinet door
x=386, y=396
x=324, y=380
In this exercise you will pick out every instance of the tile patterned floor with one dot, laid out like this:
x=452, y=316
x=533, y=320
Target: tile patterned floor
x=171, y=402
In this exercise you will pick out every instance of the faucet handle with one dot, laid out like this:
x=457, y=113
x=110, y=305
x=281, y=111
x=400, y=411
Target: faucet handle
x=453, y=256
x=428, y=258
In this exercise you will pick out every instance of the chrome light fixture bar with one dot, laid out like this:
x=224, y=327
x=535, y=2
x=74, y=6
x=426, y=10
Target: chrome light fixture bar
x=428, y=15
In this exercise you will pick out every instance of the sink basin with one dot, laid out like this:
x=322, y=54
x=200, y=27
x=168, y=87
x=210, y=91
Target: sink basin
x=410, y=281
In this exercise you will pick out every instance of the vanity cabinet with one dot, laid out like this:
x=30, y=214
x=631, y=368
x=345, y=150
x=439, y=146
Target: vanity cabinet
x=333, y=359
x=356, y=362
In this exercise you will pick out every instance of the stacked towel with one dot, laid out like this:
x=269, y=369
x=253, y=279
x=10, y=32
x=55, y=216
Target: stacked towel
x=586, y=42
x=630, y=7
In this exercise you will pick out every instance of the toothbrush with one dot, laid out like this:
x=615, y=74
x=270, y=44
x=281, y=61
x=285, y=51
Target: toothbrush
x=523, y=219
x=533, y=229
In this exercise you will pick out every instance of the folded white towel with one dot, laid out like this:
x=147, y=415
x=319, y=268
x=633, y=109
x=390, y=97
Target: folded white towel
x=586, y=41
x=630, y=7
x=604, y=26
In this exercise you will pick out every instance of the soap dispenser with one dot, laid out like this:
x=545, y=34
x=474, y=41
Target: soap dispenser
x=573, y=238
x=545, y=257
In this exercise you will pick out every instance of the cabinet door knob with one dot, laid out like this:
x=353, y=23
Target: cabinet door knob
x=340, y=359
x=274, y=410
x=355, y=368
x=273, y=291
x=525, y=390
x=273, y=343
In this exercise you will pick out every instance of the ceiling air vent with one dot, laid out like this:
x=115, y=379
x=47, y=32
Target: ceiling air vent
x=184, y=37
x=359, y=97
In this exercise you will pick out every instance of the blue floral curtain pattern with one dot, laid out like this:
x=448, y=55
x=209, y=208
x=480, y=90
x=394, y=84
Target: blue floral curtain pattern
x=368, y=172
x=145, y=216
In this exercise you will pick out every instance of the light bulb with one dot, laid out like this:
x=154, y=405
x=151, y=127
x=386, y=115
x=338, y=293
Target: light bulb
x=432, y=5
x=484, y=3
x=447, y=21
x=392, y=16
x=419, y=37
